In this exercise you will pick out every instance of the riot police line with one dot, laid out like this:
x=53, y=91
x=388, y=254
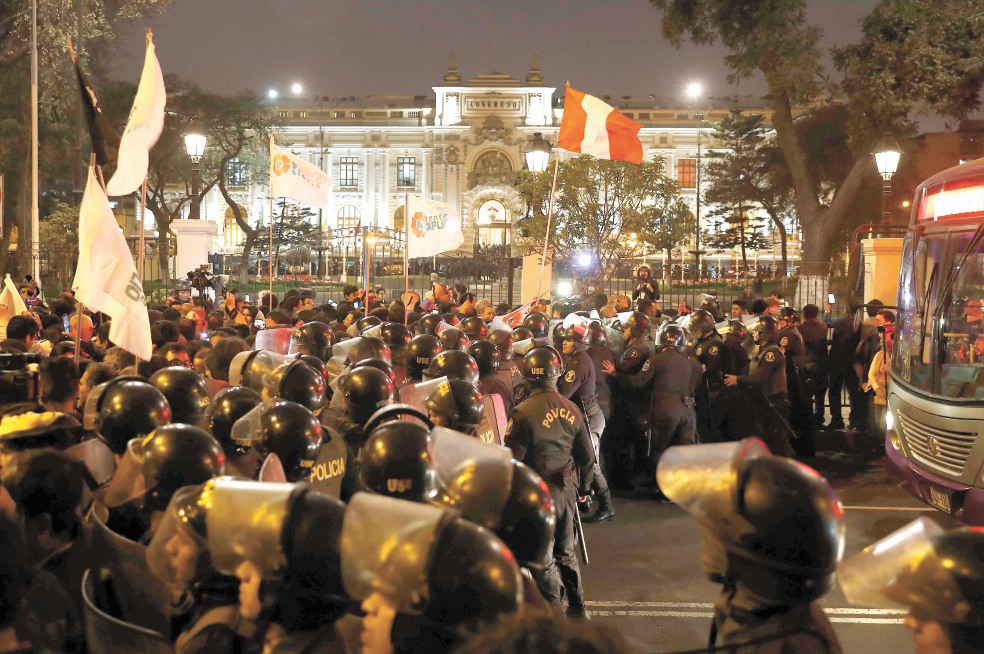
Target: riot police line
x=370, y=493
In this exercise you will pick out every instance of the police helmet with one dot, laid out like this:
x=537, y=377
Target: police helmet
x=598, y=334
x=284, y=428
x=789, y=315
x=456, y=404
x=487, y=356
x=186, y=393
x=319, y=365
x=369, y=347
x=378, y=364
x=538, y=324
x=521, y=333
x=671, y=335
x=422, y=348
x=503, y=340
x=313, y=338
x=362, y=324
x=638, y=324
x=474, y=328
x=738, y=328
x=175, y=456
x=559, y=333
x=701, y=324
x=542, y=366
x=429, y=323
x=453, y=364
x=765, y=331
x=580, y=335
x=395, y=335
x=366, y=389
x=230, y=404
x=396, y=461
x=129, y=408
x=311, y=544
x=299, y=382
x=453, y=339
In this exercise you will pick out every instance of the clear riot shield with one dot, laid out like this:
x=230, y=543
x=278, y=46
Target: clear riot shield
x=128, y=480
x=272, y=470
x=109, y=634
x=415, y=394
x=473, y=476
x=276, y=340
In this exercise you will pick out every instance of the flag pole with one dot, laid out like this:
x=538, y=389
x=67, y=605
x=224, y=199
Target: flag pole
x=79, y=306
x=406, y=254
x=140, y=226
x=270, y=297
x=35, y=215
x=546, y=235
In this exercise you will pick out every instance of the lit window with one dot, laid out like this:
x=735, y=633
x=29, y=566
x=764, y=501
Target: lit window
x=236, y=173
x=406, y=172
x=349, y=216
x=348, y=171
x=687, y=173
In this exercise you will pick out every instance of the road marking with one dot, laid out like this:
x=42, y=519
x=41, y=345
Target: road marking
x=708, y=605
x=704, y=615
x=890, y=508
x=849, y=615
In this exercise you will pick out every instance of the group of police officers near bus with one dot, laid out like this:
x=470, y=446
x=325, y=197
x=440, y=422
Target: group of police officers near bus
x=383, y=487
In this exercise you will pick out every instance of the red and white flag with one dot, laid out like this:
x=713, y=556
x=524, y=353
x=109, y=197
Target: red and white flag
x=106, y=279
x=295, y=178
x=432, y=228
x=593, y=127
x=143, y=128
x=516, y=317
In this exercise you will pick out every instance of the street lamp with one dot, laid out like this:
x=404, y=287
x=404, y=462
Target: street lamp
x=537, y=153
x=195, y=139
x=695, y=91
x=887, y=157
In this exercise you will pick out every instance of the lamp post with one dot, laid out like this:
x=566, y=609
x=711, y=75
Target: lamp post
x=694, y=91
x=537, y=153
x=195, y=139
x=887, y=156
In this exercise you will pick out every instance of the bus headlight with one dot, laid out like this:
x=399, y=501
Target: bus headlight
x=889, y=420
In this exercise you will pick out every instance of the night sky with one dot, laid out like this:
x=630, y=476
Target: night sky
x=364, y=47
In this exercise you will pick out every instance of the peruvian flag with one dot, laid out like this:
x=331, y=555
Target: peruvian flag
x=592, y=127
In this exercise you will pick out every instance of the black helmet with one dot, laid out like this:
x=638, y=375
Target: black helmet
x=129, y=408
x=453, y=339
x=369, y=347
x=396, y=461
x=175, y=456
x=313, y=338
x=789, y=314
x=319, y=365
x=456, y=404
x=542, y=366
x=487, y=356
x=503, y=340
x=474, y=328
x=230, y=404
x=453, y=364
x=671, y=335
x=580, y=335
x=538, y=324
x=429, y=323
x=298, y=382
x=186, y=393
x=366, y=389
x=472, y=576
x=638, y=323
x=421, y=350
x=286, y=429
x=701, y=324
x=395, y=335
x=310, y=542
x=765, y=331
x=559, y=334
x=598, y=334
x=362, y=324
x=738, y=328
x=521, y=333
x=378, y=364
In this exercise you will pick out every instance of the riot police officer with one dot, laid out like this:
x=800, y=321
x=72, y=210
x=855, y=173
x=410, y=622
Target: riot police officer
x=397, y=460
x=800, y=410
x=539, y=326
x=453, y=364
x=229, y=405
x=397, y=338
x=285, y=429
x=599, y=351
x=773, y=532
x=126, y=408
x=767, y=379
x=669, y=374
x=488, y=358
x=453, y=338
x=365, y=390
x=313, y=338
x=716, y=362
x=547, y=433
x=186, y=393
x=508, y=367
x=457, y=405
x=429, y=323
x=578, y=384
x=630, y=405
x=420, y=351
x=474, y=328
x=734, y=340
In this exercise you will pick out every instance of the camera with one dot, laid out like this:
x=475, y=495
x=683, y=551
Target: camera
x=18, y=382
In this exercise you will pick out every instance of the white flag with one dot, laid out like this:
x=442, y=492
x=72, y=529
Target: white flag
x=292, y=177
x=10, y=298
x=143, y=128
x=433, y=228
x=106, y=279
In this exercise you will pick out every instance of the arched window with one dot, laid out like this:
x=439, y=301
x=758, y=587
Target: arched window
x=349, y=216
x=494, y=221
x=232, y=234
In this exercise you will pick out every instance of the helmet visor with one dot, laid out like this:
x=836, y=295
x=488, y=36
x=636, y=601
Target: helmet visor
x=245, y=521
x=128, y=480
x=276, y=340
x=244, y=429
x=258, y=372
x=473, y=476
x=97, y=458
x=386, y=548
x=415, y=394
x=903, y=571
x=177, y=554
x=272, y=470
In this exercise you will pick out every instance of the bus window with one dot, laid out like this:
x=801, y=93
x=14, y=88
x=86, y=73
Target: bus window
x=961, y=326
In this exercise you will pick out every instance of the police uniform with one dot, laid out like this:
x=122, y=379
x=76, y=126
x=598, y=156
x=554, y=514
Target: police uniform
x=494, y=384
x=715, y=361
x=509, y=373
x=767, y=373
x=578, y=385
x=398, y=356
x=599, y=353
x=800, y=409
x=335, y=471
x=670, y=375
x=630, y=410
x=739, y=355
x=547, y=433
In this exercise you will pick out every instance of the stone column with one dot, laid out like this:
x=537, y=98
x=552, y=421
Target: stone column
x=882, y=262
x=194, y=243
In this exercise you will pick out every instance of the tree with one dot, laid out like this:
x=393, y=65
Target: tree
x=735, y=227
x=892, y=72
x=598, y=205
x=59, y=233
x=293, y=233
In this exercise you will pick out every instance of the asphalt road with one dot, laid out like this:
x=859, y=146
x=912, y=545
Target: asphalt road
x=645, y=579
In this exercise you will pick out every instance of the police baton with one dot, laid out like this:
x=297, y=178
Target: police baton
x=579, y=531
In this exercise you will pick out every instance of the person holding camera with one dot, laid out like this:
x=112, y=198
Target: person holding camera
x=881, y=364
x=646, y=288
